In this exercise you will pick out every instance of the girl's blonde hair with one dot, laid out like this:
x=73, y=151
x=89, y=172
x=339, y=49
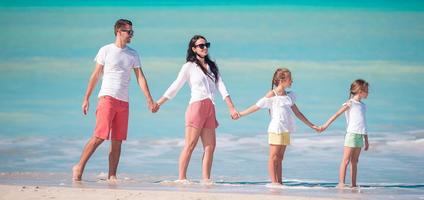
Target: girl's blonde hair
x=357, y=86
x=279, y=74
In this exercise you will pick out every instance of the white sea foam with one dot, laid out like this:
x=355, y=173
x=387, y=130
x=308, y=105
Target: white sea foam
x=61, y=149
x=274, y=186
x=177, y=182
x=416, y=146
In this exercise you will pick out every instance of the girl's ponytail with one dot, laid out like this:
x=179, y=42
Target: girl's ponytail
x=357, y=86
x=279, y=74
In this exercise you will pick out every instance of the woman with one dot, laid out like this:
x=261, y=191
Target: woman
x=204, y=79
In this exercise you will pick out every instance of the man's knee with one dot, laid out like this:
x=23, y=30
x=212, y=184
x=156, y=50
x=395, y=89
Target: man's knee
x=96, y=140
x=116, y=145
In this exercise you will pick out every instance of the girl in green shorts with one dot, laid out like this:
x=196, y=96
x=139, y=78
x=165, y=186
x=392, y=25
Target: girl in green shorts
x=356, y=132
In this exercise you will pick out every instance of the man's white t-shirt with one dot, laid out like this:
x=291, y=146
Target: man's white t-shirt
x=118, y=64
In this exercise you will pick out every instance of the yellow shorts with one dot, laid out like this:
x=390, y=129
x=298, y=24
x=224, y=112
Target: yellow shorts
x=279, y=138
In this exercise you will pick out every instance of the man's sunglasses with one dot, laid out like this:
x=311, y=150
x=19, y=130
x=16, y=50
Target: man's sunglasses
x=202, y=46
x=130, y=32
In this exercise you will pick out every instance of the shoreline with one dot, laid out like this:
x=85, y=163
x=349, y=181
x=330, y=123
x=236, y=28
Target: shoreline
x=39, y=185
x=56, y=185
x=18, y=192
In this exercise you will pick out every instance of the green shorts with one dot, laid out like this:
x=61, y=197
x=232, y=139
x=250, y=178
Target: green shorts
x=354, y=140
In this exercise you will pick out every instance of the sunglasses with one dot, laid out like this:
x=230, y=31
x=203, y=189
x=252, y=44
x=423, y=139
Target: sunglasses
x=202, y=46
x=130, y=32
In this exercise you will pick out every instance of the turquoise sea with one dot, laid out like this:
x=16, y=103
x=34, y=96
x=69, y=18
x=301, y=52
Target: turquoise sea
x=47, y=56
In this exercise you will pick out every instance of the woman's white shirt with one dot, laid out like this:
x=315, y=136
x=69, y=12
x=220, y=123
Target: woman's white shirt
x=202, y=87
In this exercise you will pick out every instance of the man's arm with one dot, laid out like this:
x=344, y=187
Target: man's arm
x=142, y=82
x=94, y=78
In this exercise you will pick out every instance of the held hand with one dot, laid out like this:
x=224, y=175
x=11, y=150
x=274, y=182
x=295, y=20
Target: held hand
x=234, y=114
x=150, y=105
x=156, y=107
x=85, y=105
x=238, y=116
x=322, y=128
x=316, y=128
x=153, y=107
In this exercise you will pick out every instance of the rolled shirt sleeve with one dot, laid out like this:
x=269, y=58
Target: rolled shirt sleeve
x=182, y=77
x=221, y=87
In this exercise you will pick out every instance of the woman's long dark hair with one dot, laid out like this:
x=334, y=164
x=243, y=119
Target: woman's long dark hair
x=191, y=57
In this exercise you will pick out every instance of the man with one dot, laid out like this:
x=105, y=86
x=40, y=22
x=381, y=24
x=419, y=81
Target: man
x=115, y=62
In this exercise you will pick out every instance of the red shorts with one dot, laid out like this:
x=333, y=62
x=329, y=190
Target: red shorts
x=201, y=114
x=111, y=118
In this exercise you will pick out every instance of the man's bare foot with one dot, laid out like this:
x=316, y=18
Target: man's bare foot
x=340, y=185
x=76, y=173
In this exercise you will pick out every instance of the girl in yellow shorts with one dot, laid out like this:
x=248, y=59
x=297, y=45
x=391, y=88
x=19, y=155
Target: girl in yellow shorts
x=281, y=105
x=356, y=132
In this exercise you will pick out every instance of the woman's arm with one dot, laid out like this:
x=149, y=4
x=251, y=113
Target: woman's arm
x=231, y=107
x=224, y=93
x=173, y=89
x=182, y=77
x=162, y=100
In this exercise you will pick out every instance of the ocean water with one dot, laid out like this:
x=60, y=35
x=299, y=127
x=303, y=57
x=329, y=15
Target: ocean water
x=46, y=59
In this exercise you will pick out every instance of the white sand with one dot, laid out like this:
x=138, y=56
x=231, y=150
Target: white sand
x=17, y=192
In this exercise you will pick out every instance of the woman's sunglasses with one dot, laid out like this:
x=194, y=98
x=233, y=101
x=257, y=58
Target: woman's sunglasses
x=202, y=46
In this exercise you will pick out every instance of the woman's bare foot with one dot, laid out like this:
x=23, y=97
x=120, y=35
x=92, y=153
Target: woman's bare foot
x=274, y=185
x=76, y=173
x=112, y=179
x=340, y=185
x=206, y=182
x=182, y=182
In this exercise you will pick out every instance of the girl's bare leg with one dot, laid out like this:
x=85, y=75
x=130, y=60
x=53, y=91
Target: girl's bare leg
x=347, y=153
